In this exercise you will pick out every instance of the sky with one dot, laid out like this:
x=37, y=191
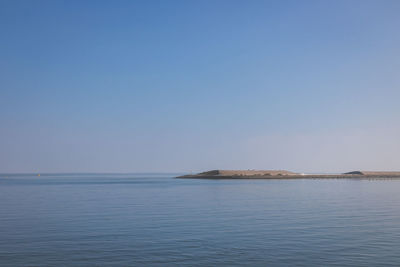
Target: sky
x=188, y=86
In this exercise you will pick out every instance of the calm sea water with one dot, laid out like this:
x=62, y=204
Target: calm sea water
x=155, y=220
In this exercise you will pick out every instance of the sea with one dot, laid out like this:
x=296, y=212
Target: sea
x=154, y=219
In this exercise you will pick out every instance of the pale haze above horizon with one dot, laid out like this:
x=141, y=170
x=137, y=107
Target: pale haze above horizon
x=180, y=86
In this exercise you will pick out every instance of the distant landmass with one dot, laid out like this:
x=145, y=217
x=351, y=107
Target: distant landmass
x=282, y=174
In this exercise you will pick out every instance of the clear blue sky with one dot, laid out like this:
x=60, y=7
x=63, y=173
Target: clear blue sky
x=132, y=86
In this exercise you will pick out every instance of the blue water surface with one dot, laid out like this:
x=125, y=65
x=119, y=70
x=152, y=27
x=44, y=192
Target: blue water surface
x=156, y=220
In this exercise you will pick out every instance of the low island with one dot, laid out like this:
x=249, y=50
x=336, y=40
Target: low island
x=282, y=174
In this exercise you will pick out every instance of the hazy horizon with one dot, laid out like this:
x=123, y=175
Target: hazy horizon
x=180, y=86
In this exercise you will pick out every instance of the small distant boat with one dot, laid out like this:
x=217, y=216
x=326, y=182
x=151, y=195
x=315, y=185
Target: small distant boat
x=38, y=174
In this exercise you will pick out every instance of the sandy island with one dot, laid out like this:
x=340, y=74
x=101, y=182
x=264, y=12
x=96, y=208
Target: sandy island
x=281, y=174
